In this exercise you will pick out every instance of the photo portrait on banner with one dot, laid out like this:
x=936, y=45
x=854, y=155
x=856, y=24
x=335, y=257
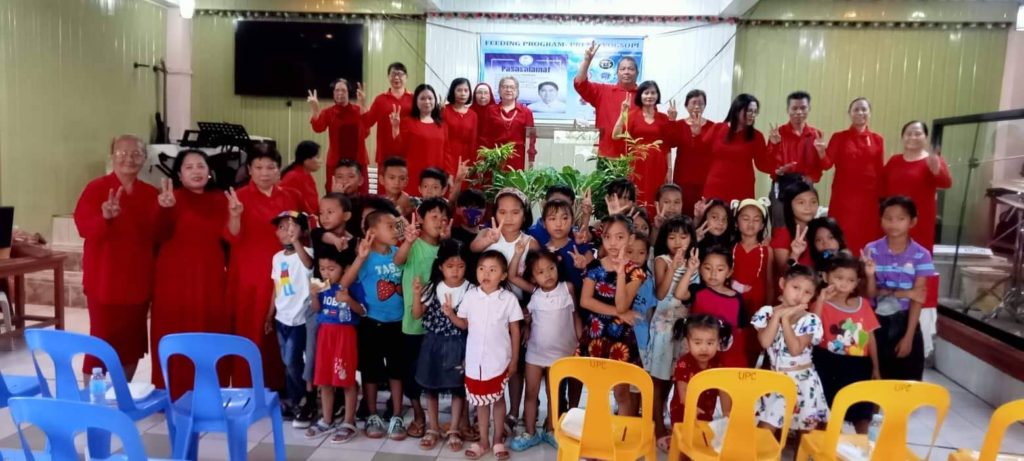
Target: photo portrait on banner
x=545, y=66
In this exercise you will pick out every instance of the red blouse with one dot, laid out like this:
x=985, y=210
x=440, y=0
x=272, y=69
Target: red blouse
x=731, y=174
x=693, y=155
x=607, y=101
x=423, y=146
x=462, y=137
x=750, y=276
x=300, y=180
x=380, y=114
x=782, y=239
x=857, y=186
x=798, y=149
x=345, y=132
x=916, y=180
x=650, y=173
x=502, y=127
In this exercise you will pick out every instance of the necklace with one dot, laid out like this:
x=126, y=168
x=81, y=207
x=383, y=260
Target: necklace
x=507, y=120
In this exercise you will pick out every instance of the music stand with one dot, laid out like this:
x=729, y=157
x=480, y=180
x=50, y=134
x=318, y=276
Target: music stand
x=214, y=134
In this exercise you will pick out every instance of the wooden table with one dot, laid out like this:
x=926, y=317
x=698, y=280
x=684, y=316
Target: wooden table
x=26, y=259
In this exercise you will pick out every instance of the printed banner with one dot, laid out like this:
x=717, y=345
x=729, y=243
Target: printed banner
x=546, y=66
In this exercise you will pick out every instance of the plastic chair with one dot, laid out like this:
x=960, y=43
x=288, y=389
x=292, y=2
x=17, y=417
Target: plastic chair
x=61, y=420
x=631, y=437
x=62, y=347
x=742, y=439
x=207, y=407
x=897, y=399
x=17, y=386
x=1003, y=417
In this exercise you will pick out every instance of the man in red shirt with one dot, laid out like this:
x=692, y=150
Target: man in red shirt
x=383, y=105
x=607, y=99
x=797, y=148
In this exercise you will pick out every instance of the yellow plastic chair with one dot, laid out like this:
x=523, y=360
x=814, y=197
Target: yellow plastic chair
x=897, y=399
x=605, y=436
x=1003, y=417
x=743, y=439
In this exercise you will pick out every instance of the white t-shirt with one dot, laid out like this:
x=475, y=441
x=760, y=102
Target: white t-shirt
x=553, y=331
x=291, y=287
x=489, y=344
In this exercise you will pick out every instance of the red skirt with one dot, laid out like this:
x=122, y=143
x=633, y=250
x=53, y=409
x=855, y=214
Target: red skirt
x=336, y=356
x=480, y=393
x=123, y=326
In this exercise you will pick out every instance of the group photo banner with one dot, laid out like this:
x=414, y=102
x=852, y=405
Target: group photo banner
x=546, y=65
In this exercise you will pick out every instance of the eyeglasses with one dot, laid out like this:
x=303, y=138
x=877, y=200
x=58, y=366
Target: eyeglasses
x=396, y=73
x=132, y=154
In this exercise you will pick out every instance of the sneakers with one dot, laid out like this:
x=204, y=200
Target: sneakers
x=549, y=438
x=525, y=441
x=396, y=430
x=306, y=413
x=374, y=427
x=318, y=429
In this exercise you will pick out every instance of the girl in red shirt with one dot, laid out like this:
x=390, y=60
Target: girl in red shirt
x=645, y=125
x=752, y=264
x=421, y=137
x=705, y=335
x=799, y=207
x=299, y=175
x=508, y=121
x=736, y=148
x=858, y=155
x=461, y=121
x=918, y=174
x=693, y=152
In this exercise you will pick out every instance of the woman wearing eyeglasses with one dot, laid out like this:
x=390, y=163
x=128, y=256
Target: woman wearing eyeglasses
x=507, y=122
x=116, y=215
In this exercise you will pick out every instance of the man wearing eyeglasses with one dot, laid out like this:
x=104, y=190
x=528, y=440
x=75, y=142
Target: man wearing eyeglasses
x=116, y=215
x=379, y=112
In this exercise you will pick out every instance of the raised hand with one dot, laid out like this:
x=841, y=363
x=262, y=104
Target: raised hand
x=672, y=112
x=235, y=207
x=463, y=172
x=294, y=234
x=112, y=207
x=314, y=103
x=933, y=162
x=582, y=236
x=798, y=246
x=365, y=245
x=522, y=245
x=820, y=144
x=493, y=235
x=166, y=198
x=702, y=231
x=679, y=259
x=586, y=205
x=695, y=127
x=412, y=230
x=621, y=259
x=774, y=136
x=446, y=306
x=616, y=205
x=699, y=208
x=396, y=116
x=625, y=104
x=360, y=94
x=869, y=262
x=589, y=53
x=659, y=217
x=829, y=292
x=693, y=262
x=579, y=260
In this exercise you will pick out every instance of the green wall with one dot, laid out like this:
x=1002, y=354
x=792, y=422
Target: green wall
x=214, y=98
x=915, y=73
x=66, y=88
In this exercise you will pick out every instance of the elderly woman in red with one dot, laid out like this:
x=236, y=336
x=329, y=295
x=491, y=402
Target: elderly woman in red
x=508, y=121
x=116, y=215
x=693, y=152
x=483, y=99
x=858, y=155
x=461, y=122
x=253, y=244
x=918, y=174
x=383, y=105
x=421, y=137
x=646, y=125
x=190, y=232
x=344, y=126
x=736, y=148
x=606, y=98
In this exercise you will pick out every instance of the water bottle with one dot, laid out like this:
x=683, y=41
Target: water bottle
x=875, y=427
x=98, y=387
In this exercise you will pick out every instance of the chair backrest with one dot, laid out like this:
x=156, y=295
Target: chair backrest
x=61, y=420
x=745, y=387
x=600, y=376
x=897, y=400
x=205, y=350
x=5, y=394
x=1003, y=417
x=62, y=347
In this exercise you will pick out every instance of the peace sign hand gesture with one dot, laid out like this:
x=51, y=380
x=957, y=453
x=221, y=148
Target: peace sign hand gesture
x=679, y=259
x=774, y=136
x=820, y=144
x=166, y=197
x=621, y=259
x=365, y=245
x=235, y=207
x=702, y=231
x=869, y=262
x=799, y=243
x=933, y=162
x=412, y=230
x=493, y=235
x=586, y=205
x=693, y=262
x=579, y=260
x=112, y=207
x=447, y=307
x=672, y=111
x=463, y=171
x=360, y=94
x=314, y=103
x=625, y=104
x=589, y=53
x=659, y=217
x=396, y=116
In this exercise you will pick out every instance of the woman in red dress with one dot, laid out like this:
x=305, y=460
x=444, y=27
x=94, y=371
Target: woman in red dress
x=190, y=232
x=253, y=242
x=508, y=121
x=116, y=215
x=344, y=126
x=461, y=122
x=693, y=152
x=421, y=137
x=918, y=174
x=645, y=125
x=858, y=155
x=383, y=105
x=736, y=148
x=483, y=99
x=299, y=175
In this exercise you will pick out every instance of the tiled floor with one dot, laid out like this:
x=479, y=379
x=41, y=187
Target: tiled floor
x=965, y=426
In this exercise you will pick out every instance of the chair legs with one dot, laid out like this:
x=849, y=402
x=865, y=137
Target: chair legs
x=185, y=442
x=99, y=444
x=673, y=451
x=275, y=417
x=801, y=452
x=238, y=440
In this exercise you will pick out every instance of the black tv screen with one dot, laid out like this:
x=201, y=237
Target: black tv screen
x=280, y=58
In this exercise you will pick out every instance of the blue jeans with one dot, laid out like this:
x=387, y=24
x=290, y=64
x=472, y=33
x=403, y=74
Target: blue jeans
x=293, y=344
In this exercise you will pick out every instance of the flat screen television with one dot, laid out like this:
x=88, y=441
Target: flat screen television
x=284, y=58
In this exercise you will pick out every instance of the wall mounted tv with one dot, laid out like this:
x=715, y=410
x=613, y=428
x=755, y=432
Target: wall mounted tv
x=284, y=58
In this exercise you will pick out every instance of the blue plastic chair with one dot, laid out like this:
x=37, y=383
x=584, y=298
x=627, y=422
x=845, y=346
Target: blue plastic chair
x=208, y=407
x=17, y=386
x=62, y=347
x=61, y=420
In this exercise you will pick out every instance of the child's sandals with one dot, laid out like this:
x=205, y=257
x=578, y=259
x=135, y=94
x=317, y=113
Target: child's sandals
x=454, y=441
x=345, y=433
x=429, y=440
x=500, y=452
x=475, y=451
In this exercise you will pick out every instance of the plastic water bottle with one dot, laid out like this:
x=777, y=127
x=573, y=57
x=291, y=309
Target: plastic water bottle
x=98, y=387
x=875, y=427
